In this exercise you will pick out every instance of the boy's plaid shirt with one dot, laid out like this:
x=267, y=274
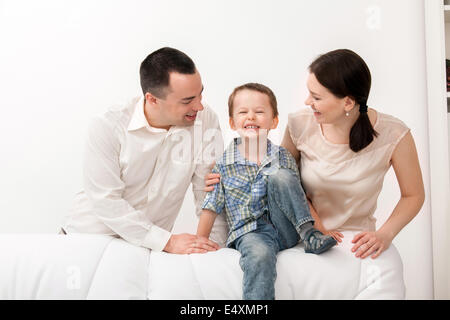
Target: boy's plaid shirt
x=242, y=190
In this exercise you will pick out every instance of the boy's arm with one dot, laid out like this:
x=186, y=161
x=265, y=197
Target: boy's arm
x=205, y=223
x=213, y=205
x=212, y=148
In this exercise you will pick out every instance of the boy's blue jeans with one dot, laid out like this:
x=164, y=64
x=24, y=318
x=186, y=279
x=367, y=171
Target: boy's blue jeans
x=276, y=230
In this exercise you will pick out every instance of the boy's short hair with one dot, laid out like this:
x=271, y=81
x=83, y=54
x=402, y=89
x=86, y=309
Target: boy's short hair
x=255, y=87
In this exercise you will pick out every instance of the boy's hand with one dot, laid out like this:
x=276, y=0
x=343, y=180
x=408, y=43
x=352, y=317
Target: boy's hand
x=188, y=243
x=210, y=180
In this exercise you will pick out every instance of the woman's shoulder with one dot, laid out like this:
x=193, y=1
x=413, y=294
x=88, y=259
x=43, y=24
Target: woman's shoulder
x=300, y=122
x=390, y=128
x=390, y=119
x=302, y=114
x=390, y=122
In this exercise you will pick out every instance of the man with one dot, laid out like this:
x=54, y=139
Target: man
x=140, y=159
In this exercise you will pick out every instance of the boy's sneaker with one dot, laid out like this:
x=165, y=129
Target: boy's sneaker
x=316, y=242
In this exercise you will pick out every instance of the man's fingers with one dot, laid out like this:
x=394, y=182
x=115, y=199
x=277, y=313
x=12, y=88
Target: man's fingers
x=212, y=176
x=212, y=179
x=196, y=250
x=206, y=243
x=212, y=182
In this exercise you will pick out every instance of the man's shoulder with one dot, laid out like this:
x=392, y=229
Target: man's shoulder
x=114, y=120
x=122, y=111
x=119, y=113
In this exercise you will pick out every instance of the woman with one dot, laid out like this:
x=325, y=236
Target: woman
x=344, y=150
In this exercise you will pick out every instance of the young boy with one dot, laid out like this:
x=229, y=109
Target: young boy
x=260, y=190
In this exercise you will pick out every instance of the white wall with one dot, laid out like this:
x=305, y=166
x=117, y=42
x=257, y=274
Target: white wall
x=61, y=62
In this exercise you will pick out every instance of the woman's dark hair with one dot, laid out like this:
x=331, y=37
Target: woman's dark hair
x=345, y=74
x=155, y=69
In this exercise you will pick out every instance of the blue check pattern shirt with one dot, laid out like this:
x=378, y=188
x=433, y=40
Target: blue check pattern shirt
x=242, y=191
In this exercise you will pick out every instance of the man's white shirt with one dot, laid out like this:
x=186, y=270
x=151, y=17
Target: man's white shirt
x=135, y=176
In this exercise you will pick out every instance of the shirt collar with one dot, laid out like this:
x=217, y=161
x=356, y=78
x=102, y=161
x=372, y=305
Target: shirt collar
x=232, y=155
x=138, y=120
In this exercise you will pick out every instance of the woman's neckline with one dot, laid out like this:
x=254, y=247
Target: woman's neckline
x=319, y=126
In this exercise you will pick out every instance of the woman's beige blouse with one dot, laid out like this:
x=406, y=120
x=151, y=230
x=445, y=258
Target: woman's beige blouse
x=342, y=185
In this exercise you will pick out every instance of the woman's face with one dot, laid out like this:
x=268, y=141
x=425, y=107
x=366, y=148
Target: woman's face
x=327, y=107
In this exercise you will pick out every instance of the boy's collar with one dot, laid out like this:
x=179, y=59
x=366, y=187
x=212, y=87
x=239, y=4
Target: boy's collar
x=230, y=153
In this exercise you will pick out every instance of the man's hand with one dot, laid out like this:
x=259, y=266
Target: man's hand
x=210, y=180
x=186, y=243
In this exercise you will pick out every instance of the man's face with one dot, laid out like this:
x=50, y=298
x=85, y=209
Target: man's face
x=183, y=100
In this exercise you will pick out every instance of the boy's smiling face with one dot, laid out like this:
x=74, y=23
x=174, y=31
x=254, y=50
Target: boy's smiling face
x=252, y=114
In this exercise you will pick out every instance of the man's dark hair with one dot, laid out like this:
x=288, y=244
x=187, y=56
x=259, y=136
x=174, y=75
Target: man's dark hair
x=155, y=69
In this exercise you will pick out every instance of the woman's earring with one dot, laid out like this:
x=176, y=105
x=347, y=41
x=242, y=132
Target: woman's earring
x=347, y=114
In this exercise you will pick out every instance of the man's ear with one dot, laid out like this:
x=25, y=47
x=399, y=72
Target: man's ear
x=150, y=99
x=274, y=123
x=232, y=126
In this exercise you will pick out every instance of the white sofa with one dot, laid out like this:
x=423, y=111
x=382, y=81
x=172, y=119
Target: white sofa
x=80, y=266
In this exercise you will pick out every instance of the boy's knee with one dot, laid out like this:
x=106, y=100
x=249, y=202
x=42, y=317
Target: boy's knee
x=283, y=177
x=261, y=254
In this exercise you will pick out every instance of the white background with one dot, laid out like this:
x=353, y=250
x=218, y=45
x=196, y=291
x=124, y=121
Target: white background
x=61, y=62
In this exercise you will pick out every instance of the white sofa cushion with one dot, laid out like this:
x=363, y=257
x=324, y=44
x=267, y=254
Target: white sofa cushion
x=76, y=266
x=335, y=274
x=81, y=266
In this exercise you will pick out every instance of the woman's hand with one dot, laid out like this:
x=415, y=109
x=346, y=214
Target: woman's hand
x=210, y=180
x=335, y=234
x=370, y=243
